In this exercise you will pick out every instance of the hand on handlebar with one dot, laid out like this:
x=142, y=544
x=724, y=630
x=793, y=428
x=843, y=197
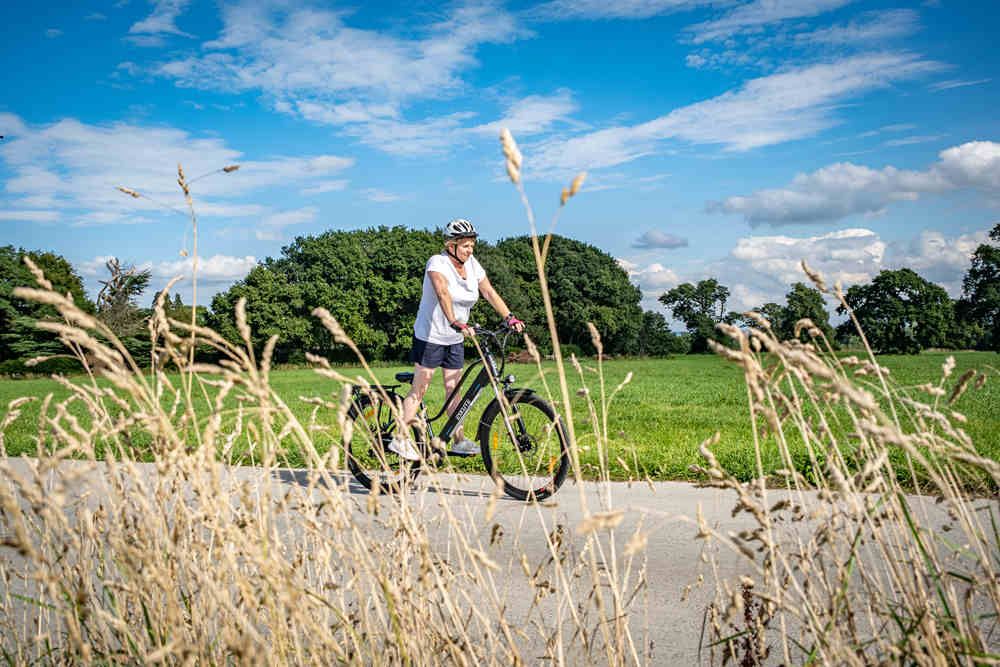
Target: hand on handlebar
x=513, y=323
x=466, y=330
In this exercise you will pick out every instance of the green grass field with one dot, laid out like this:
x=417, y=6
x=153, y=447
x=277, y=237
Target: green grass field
x=655, y=424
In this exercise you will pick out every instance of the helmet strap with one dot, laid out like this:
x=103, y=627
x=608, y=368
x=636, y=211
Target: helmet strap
x=448, y=249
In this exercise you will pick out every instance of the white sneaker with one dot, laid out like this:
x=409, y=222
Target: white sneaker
x=464, y=446
x=405, y=448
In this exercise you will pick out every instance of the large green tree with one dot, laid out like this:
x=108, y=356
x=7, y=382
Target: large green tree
x=371, y=281
x=19, y=338
x=585, y=283
x=802, y=302
x=979, y=307
x=657, y=340
x=700, y=307
x=901, y=313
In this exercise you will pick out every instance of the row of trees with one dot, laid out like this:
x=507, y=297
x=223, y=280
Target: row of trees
x=371, y=280
x=899, y=311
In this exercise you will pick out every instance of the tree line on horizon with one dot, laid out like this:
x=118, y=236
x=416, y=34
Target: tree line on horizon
x=371, y=281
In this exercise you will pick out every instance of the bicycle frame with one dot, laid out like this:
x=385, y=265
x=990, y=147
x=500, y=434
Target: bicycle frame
x=465, y=404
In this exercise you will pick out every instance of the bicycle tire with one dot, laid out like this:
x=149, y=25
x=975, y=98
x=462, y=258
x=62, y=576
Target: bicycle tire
x=536, y=468
x=368, y=459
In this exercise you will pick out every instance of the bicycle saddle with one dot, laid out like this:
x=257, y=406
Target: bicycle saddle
x=406, y=376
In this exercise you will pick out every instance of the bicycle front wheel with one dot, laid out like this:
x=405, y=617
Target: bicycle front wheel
x=369, y=458
x=531, y=457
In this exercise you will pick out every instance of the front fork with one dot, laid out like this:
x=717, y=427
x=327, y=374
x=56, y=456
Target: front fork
x=514, y=425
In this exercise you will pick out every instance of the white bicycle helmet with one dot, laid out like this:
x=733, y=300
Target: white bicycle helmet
x=460, y=228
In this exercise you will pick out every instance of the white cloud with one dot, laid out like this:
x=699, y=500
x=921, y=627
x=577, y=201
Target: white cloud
x=77, y=168
x=380, y=196
x=916, y=139
x=655, y=238
x=30, y=216
x=217, y=268
x=305, y=54
x=215, y=274
x=653, y=279
x=872, y=27
x=942, y=260
x=759, y=13
x=161, y=21
x=763, y=268
x=325, y=186
x=843, y=189
x=564, y=10
x=432, y=135
x=850, y=255
x=273, y=226
x=532, y=114
x=789, y=105
x=147, y=41
x=128, y=67
x=313, y=64
x=898, y=127
x=955, y=83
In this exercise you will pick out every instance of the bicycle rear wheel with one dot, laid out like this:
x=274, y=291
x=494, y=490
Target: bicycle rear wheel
x=530, y=458
x=369, y=458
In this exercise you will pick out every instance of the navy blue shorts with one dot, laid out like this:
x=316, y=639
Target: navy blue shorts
x=432, y=355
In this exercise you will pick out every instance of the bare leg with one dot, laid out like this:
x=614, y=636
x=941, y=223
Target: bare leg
x=421, y=381
x=451, y=378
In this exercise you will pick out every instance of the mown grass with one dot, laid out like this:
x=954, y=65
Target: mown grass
x=654, y=426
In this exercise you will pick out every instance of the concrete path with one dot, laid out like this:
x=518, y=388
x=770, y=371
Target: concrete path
x=668, y=614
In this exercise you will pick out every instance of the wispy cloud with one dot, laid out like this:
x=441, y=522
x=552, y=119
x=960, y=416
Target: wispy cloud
x=163, y=21
x=918, y=139
x=897, y=127
x=75, y=169
x=52, y=33
x=96, y=16
x=789, y=105
x=955, y=83
x=30, y=216
x=844, y=189
x=380, y=196
x=759, y=13
x=325, y=186
x=272, y=228
x=532, y=114
x=306, y=54
x=871, y=27
x=563, y=10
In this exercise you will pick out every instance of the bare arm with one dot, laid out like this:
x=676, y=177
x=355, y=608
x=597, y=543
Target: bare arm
x=495, y=300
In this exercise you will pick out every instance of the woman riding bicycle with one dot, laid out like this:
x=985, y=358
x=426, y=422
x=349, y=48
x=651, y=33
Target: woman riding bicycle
x=453, y=282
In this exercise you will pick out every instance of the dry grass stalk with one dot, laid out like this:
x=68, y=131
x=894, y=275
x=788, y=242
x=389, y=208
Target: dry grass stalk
x=186, y=562
x=848, y=569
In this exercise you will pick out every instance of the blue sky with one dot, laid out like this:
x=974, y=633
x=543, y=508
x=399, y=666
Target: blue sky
x=725, y=139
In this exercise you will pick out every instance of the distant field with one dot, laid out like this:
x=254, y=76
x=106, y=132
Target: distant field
x=655, y=423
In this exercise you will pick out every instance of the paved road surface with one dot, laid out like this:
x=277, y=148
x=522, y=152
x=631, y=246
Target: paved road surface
x=669, y=626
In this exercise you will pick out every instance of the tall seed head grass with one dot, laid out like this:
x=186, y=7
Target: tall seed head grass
x=132, y=538
x=848, y=567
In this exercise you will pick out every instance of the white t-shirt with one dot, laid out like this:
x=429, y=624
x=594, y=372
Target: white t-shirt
x=431, y=325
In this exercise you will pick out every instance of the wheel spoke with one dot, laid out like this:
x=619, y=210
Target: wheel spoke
x=530, y=457
x=368, y=455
